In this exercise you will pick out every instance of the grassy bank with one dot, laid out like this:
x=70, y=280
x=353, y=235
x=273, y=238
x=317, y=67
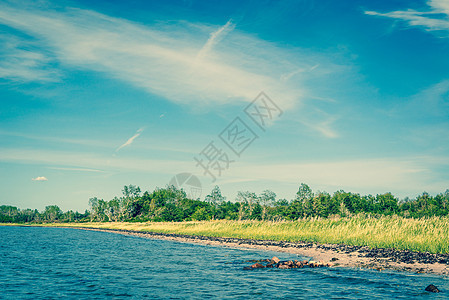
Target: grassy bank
x=425, y=235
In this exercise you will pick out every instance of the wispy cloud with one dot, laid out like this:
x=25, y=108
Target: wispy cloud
x=436, y=18
x=324, y=127
x=431, y=102
x=58, y=140
x=318, y=120
x=165, y=146
x=287, y=76
x=215, y=37
x=94, y=161
x=130, y=140
x=159, y=57
x=21, y=61
x=77, y=169
x=40, y=178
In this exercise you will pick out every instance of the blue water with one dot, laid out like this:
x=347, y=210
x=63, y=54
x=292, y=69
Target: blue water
x=53, y=263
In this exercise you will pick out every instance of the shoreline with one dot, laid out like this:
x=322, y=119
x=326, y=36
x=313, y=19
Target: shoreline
x=336, y=254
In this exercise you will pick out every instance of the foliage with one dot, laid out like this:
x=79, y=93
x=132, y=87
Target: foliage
x=171, y=204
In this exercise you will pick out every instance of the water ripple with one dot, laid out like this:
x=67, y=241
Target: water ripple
x=53, y=263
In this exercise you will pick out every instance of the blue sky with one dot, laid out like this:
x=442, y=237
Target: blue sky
x=95, y=96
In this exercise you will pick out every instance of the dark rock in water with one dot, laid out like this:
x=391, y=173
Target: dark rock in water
x=432, y=288
x=257, y=266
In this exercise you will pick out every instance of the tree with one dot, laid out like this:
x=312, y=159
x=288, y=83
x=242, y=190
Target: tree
x=93, y=204
x=131, y=191
x=320, y=204
x=201, y=214
x=52, y=213
x=305, y=196
x=247, y=200
x=267, y=198
x=114, y=209
x=215, y=196
x=342, y=199
x=304, y=193
x=98, y=209
x=387, y=204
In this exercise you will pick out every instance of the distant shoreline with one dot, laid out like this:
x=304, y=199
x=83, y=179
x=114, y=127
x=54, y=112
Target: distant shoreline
x=338, y=255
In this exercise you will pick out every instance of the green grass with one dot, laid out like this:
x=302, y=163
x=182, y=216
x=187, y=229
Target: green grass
x=425, y=235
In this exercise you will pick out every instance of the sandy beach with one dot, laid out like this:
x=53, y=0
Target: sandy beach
x=336, y=255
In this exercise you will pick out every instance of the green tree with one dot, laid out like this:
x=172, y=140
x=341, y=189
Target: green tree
x=131, y=191
x=128, y=203
x=386, y=204
x=304, y=196
x=215, y=197
x=304, y=193
x=267, y=198
x=247, y=201
x=201, y=214
x=52, y=213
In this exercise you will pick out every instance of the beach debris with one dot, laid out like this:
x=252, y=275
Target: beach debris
x=288, y=264
x=432, y=288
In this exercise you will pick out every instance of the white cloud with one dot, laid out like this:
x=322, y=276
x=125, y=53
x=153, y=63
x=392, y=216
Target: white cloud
x=285, y=77
x=76, y=169
x=431, y=102
x=40, y=178
x=215, y=37
x=159, y=58
x=65, y=159
x=430, y=20
x=21, y=61
x=166, y=145
x=130, y=140
x=59, y=140
x=323, y=127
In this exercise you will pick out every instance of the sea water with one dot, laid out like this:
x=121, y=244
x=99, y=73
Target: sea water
x=54, y=263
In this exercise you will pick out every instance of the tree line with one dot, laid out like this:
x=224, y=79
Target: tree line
x=172, y=204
